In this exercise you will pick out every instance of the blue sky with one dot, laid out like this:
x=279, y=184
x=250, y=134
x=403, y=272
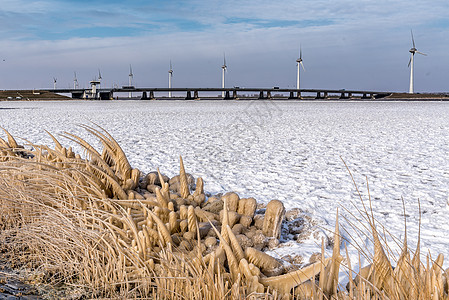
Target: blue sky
x=352, y=44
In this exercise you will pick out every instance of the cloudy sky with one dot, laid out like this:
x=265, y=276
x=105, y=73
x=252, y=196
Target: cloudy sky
x=351, y=44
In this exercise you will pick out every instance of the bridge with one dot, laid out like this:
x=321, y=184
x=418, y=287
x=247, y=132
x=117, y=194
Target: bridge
x=229, y=93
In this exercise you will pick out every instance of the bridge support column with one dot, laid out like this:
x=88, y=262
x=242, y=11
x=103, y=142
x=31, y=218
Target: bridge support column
x=343, y=95
x=349, y=95
x=291, y=96
x=227, y=96
x=152, y=96
x=318, y=95
x=261, y=95
x=298, y=95
x=234, y=95
x=144, y=96
x=195, y=95
x=364, y=96
x=189, y=95
x=325, y=95
x=268, y=94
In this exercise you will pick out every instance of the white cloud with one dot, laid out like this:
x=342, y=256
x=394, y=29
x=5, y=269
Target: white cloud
x=365, y=46
x=26, y=7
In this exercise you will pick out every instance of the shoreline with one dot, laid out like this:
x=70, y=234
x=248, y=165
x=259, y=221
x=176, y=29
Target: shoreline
x=48, y=95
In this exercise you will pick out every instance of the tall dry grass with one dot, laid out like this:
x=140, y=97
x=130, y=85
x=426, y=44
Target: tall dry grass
x=82, y=222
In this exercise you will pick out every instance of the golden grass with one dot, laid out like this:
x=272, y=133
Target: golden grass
x=88, y=222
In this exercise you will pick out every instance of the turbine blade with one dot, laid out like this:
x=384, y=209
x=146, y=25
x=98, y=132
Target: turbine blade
x=413, y=40
x=302, y=65
x=421, y=53
x=300, y=52
x=224, y=59
x=170, y=65
x=409, y=62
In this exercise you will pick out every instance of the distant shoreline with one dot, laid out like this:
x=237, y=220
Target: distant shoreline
x=31, y=95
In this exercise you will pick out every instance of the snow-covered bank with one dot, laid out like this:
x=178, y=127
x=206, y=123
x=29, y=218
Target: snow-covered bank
x=291, y=151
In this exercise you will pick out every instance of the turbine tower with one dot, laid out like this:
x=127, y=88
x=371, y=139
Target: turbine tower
x=224, y=67
x=99, y=78
x=130, y=80
x=54, y=82
x=75, y=81
x=412, y=51
x=170, y=75
x=299, y=64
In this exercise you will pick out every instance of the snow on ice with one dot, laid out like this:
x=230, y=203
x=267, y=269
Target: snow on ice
x=287, y=150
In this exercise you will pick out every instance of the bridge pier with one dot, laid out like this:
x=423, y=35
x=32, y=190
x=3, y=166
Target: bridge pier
x=195, y=95
x=268, y=94
x=144, y=96
x=261, y=95
x=343, y=95
x=151, y=97
x=318, y=95
x=234, y=95
x=291, y=96
x=227, y=96
x=189, y=96
x=298, y=95
x=325, y=95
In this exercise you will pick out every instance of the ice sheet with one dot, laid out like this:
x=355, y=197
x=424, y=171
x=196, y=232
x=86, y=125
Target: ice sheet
x=291, y=151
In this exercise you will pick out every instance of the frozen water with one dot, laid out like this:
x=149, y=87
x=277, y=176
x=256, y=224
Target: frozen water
x=291, y=151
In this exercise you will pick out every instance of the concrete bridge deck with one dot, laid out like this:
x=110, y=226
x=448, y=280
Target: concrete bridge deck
x=229, y=93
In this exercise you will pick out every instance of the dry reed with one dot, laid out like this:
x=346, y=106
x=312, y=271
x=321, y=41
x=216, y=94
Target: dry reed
x=99, y=224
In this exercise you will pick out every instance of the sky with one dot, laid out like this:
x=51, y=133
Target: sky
x=346, y=44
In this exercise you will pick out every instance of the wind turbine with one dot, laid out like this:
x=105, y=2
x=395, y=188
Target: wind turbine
x=224, y=67
x=299, y=64
x=170, y=75
x=413, y=50
x=130, y=80
x=99, y=78
x=54, y=82
x=75, y=81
